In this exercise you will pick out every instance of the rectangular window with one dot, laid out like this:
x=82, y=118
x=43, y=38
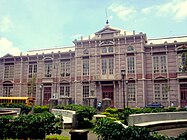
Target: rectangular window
x=9, y=71
x=161, y=91
x=156, y=64
x=85, y=66
x=7, y=91
x=157, y=92
x=104, y=66
x=65, y=90
x=48, y=69
x=111, y=66
x=108, y=66
x=182, y=62
x=130, y=61
x=32, y=70
x=163, y=64
x=85, y=91
x=164, y=91
x=131, y=92
x=159, y=64
x=65, y=68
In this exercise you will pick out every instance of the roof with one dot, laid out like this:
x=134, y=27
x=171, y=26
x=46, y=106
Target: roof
x=49, y=51
x=105, y=30
x=167, y=40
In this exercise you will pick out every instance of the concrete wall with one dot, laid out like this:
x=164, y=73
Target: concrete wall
x=150, y=117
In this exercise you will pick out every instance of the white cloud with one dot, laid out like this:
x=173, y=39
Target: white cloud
x=6, y=46
x=5, y=24
x=173, y=8
x=123, y=12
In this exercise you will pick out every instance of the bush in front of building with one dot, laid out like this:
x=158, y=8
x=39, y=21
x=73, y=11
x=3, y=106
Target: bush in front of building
x=84, y=114
x=56, y=137
x=122, y=114
x=41, y=109
x=24, y=108
x=107, y=129
x=32, y=126
x=182, y=136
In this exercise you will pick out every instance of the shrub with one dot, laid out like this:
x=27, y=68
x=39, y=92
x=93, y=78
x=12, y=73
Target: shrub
x=41, y=109
x=109, y=130
x=59, y=107
x=24, y=108
x=5, y=123
x=124, y=115
x=170, y=109
x=156, y=136
x=83, y=113
x=34, y=126
x=56, y=137
x=137, y=133
x=111, y=110
x=182, y=136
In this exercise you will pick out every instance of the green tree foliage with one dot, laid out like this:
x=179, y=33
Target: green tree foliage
x=56, y=137
x=33, y=126
x=41, y=109
x=84, y=114
x=106, y=129
x=24, y=108
x=32, y=84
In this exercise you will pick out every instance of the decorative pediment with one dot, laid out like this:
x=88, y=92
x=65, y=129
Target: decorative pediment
x=106, y=43
x=107, y=30
x=160, y=77
x=64, y=81
x=7, y=82
x=7, y=55
x=181, y=48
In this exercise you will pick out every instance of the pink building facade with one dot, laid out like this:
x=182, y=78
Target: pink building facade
x=128, y=69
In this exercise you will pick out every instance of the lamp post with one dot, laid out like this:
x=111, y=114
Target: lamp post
x=123, y=77
x=41, y=88
x=127, y=90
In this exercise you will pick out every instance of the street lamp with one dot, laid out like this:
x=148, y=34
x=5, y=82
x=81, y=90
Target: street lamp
x=123, y=77
x=127, y=90
x=41, y=88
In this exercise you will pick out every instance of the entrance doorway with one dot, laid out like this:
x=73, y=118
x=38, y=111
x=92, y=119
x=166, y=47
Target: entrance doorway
x=47, y=95
x=108, y=92
x=183, y=93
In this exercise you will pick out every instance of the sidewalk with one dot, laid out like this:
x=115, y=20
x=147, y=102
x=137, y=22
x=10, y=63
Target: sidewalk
x=169, y=132
x=91, y=135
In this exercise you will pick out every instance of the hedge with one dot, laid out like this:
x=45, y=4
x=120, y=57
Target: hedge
x=33, y=126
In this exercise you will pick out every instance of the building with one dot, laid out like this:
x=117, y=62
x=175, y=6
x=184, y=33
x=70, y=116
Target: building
x=128, y=69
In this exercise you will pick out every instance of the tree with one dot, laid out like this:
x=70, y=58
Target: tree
x=32, y=86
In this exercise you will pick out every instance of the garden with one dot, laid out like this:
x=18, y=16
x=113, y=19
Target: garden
x=41, y=124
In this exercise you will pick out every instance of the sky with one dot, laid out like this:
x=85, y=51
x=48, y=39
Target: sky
x=40, y=24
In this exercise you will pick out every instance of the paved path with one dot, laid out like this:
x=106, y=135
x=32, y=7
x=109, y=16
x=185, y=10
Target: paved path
x=169, y=132
x=172, y=132
x=91, y=135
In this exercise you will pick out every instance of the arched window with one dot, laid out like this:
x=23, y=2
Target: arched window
x=130, y=48
x=85, y=52
x=48, y=66
x=110, y=49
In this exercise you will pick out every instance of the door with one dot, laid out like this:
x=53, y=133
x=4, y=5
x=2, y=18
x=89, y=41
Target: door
x=108, y=92
x=183, y=93
x=47, y=95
